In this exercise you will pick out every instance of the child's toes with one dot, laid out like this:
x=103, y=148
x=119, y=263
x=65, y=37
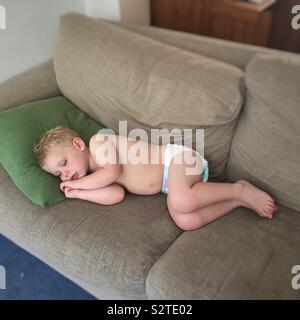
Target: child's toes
x=274, y=209
x=268, y=213
x=272, y=212
x=269, y=209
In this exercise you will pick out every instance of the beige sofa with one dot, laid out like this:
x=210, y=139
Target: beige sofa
x=134, y=250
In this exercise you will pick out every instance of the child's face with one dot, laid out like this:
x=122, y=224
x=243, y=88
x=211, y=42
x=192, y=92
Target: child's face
x=68, y=162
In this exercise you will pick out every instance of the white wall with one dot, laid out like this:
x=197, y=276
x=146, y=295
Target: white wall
x=2, y=17
x=32, y=26
x=106, y=9
x=31, y=30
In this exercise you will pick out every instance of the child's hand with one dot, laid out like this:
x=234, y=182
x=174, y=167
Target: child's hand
x=71, y=193
x=66, y=184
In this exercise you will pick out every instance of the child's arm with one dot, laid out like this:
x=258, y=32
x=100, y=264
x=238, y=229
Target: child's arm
x=109, y=195
x=96, y=180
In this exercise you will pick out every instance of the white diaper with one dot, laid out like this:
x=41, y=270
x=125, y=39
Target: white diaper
x=170, y=151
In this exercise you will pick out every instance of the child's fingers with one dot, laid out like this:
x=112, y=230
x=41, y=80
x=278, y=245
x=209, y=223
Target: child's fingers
x=62, y=186
x=71, y=193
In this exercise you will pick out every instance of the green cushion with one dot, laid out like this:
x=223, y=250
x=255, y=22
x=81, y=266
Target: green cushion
x=21, y=127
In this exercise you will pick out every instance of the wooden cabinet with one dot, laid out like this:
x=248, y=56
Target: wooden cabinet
x=215, y=18
x=228, y=21
x=182, y=15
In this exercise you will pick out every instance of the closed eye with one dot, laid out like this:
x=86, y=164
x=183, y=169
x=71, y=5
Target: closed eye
x=65, y=163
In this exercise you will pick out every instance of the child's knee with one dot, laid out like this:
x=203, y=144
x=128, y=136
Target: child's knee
x=180, y=202
x=184, y=222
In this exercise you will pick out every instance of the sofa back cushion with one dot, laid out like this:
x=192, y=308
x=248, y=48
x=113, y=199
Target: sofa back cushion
x=114, y=74
x=266, y=145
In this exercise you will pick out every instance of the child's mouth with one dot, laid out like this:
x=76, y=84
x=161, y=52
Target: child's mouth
x=74, y=176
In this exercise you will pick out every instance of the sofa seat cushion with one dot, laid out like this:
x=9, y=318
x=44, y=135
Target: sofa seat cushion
x=266, y=145
x=114, y=74
x=239, y=256
x=107, y=250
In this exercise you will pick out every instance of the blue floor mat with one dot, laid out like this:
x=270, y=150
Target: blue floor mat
x=29, y=278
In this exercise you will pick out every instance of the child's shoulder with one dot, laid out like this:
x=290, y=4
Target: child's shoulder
x=101, y=137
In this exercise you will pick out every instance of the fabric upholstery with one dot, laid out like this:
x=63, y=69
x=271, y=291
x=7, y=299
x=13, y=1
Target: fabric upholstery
x=107, y=250
x=235, y=53
x=114, y=74
x=35, y=84
x=114, y=252
x=239, y=256
x=266, y=145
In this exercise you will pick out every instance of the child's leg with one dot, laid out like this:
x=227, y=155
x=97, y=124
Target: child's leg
x=201, y=217
x=187, y=193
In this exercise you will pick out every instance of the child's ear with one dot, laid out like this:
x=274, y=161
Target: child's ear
x=79, y=143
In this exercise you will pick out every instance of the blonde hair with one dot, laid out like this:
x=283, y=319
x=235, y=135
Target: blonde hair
x=53, y=137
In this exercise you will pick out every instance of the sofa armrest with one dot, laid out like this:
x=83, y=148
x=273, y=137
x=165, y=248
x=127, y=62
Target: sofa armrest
x=34, y=84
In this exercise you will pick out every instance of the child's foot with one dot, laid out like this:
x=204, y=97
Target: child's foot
x=257, y=200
